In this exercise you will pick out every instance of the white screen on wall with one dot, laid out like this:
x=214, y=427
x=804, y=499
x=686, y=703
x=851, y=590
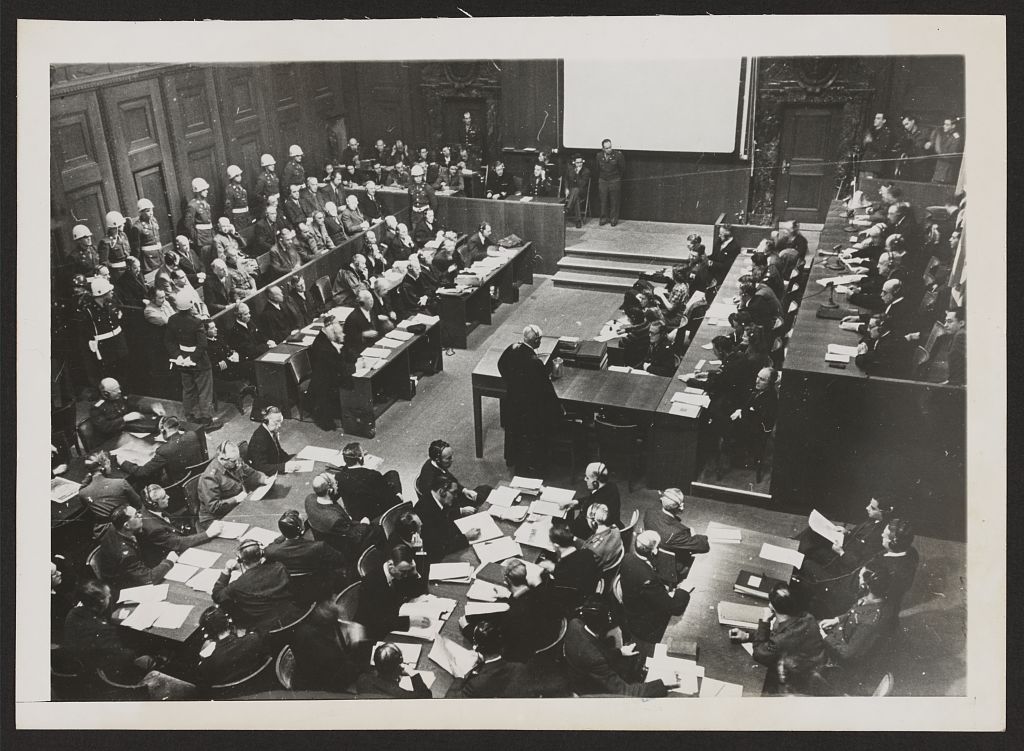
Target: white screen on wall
x=662, y=105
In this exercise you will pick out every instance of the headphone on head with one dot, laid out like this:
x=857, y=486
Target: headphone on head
x=602, y=472
x=247, y=545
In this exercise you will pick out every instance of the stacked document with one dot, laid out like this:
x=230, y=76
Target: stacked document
x=437, y=609
x=497, y=550
x=276, y=357
x=204, y=580
x=232, y=530
x=376, y=353
x=321, y=454
x=782, y=555
x=842, y=349
x=157, y=614
x=845, y=279
x=561, y=496
x=546, y=508
x=721, y=533
x=453, y=658
x=527, y=484
x=262, y=536
x=834, y=357
x=684, y=410
x=486, y=592
x=199, y=558
x=674, y=670
x=399, y=335
x=503, y=496
x=300, y=465
x=485, y=608
x=262, y=490
x=688, y=397
x=134, y=454
x=386, y=343
x=62, y=491
x=535, y=534
x=483, y=522
x=514, y=514
x=740, y=615
x=455, y=572
x=181, y=573
x=145, y=593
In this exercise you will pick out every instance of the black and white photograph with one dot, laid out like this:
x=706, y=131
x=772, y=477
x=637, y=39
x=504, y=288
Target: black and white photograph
x=592, y=382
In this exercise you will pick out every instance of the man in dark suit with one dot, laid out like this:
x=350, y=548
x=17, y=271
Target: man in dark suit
x=574, y=571
x=331, y=367
x=900, y=558
x=291, y=208
x=158, y=535
x=178, y=451
x=440, y=457
x=276, y=320
x=287, y=254
x=366, y=491
x=370, y=204
x=438, y=510
x=310, y=198
x=494, y=677
x=120, y=557
x=334, y=192
x=676, y=537
x=301, y=556
x=577, y=186
x=331, y=522
x=885, y=352
x=244, y=339
x=261, y=598
x=500, y=184
x=530, y=410
x=597, y=667
x=610, y=166
x=264, y=233
x=754, y=419
x=360, y=326
x=353, y=221
x=647, y=604
x=384, y=680
x=426, y=228
x=533, y=619
x=601, y=491
x=384, y=592
x=476, y=246
x=265, y=452
x=299, y=303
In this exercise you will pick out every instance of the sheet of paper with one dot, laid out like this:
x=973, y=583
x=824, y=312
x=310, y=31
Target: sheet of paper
x=608, y=337
x=372, y=462
x=497, y=550
x=782, y=555
x=453, y=658
x=262, y=490
x=232, y=530
x=831, y=357
x=143, y=617
x=503, y=496
x=410, y=652
x=449, y=571
x=749, y=647
x=698, y=400
x=399, y=335
x=485, y=608
x=709, y=345
x=547, y=509
x=712, y=688
x=684, y=410
x=379, y=353
x=481, y=521
x=301, y=465
x=526, y=483
x=825, y=528
x=386, y=343
x=133, y=454
x=693, y=390
x=172, y=615
x=204, y=580
x=514, y=514
x=139, y=435
x=321, y=454
x=199, y=558
x=486, y=592
x=406, y=680
x=62, y=491
x=720, y=533
x=842, y=349
x=754, y=582
x=557, y=495
x=264, y=536
x=535, y=534
x=275, y=357
x=181, y=573
x=145, y=593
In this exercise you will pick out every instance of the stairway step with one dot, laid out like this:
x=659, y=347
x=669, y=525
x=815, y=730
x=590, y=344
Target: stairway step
x=607, y=266
x=565, y=278
x=657, y=257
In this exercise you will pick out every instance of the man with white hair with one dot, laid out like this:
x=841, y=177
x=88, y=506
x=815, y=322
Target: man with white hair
x=276, y=320
x=115, y=410
x=225, y=483
x=350, y=281
x=309, y=197
x=185, y=343
x=227, y=238
x=246, y=340
x=353, y=221
x=360, y=326
x=318, y=233
x=676, y=537
x=291, y=209
x=287, y=254
x=241, y=271
x=595, y=477
x=333, y=224
x=370, y=204
x=530, y=410
x=647, y=603
x=219, y=289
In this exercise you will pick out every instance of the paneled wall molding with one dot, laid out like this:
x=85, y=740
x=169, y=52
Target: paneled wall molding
x=460, y=80
x=74, y=79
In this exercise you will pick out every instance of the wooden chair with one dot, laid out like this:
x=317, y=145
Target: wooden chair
x=243, y=451
x=87, y=437
x=306, y=587
x=371, y=560
x=191, y=488
x=389, y=518
x=284, y=667
x=568, y=441
x=194, y=470
x=619, y=444
x=281, y=633
x=323, y=289
x=348, y=601
x=554, y=647
x=885, y=686
x=113, y=683
x=301, y=372
x=627, y=531
x=244, y=684
x=617, y=588
x=93, y=562
x=609, y=572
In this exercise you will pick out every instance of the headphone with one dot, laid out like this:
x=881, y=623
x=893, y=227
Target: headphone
x=245, y=546
x=595, y=616
x=602, y=472
x=436, y=449
x=266, y=412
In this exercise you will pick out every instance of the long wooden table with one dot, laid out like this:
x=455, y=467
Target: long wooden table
x=461, y=311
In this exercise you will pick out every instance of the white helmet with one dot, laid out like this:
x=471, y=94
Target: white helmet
x=100, y=286
x=114, y=219
x=417, y=169
x=267, y=161
x=234, y=170
x=79, y=231
x=199, y=184
x=145, y=203
x=294, y=150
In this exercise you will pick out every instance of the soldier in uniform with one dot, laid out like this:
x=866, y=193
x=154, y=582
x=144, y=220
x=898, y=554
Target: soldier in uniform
x=199, y=220
x=101, y=321
x=471, y=137
x=291, y=209
x=83, y=258
x=185, y=341
x=293, y=173
x=539, y=183
x=610, y=166
x=577, y=186
x=421, y=195
x=236, y=199
x=116, y=411
x=267, y=184
x=227, y=238
x=114, y=248
x=145, y=237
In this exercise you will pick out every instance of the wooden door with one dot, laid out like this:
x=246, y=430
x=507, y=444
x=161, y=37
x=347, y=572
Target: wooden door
x=191, y=102
x=142, y=157
x=81, y=175
x=807, y=154
x=243, y=121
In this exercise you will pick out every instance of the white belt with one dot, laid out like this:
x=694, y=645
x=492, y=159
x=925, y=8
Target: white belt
x=118, y=264
x=240, y=211
x=183, y=348
x=109, y=334
x=152, y=246
x=204, y=226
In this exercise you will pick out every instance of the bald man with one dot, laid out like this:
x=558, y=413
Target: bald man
x=530, y=410
x=277, y=320
x=116, y=410
x=676, y=537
